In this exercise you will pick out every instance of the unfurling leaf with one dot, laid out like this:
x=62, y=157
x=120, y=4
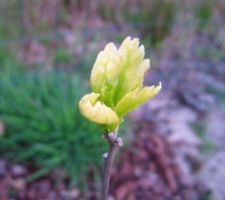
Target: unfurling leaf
x=117, y=84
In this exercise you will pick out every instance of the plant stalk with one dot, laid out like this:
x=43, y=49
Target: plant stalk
x=114, y=143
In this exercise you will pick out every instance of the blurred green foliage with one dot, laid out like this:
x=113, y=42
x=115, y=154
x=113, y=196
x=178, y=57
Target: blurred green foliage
x=10, y=24
x=43, y=123
x=201, y=131
x=209, y=52
x=206, y=196
x=106, y=11
x=218, y=93
x=204, y=11
x=62, y=57
x=153, y=19
x=84, y=65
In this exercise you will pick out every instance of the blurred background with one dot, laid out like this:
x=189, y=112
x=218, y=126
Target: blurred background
x=174, y=144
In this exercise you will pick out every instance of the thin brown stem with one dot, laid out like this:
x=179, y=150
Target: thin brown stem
x=114, y=143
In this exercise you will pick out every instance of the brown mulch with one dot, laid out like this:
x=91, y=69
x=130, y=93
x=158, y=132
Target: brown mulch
x=146, y=170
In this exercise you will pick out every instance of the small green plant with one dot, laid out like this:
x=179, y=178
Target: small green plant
x=43, y=125
x=117, y=89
